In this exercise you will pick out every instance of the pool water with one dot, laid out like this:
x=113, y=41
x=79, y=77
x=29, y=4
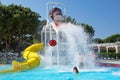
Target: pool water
x=63, y=74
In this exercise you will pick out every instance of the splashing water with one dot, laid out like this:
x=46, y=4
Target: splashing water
x=73, y=47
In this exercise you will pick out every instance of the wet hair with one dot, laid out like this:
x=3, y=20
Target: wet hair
x=75, y=68
x=54, y=10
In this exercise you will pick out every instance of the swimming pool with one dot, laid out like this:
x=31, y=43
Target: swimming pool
x=63, y=74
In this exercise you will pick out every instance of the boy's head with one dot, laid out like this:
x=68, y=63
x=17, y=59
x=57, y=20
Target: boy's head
x=56, y=14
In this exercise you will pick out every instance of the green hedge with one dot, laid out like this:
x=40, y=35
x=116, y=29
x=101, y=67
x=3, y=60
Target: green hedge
x=110, y=55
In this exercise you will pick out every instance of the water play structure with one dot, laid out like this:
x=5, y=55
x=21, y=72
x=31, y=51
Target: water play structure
x=32, y=59
x=71, y=40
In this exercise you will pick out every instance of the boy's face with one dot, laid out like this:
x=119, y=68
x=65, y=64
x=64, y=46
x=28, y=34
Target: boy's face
x=56, y=13
x=57, y=16
x=74, y=71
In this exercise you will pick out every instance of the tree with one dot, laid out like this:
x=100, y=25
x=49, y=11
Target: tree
x=15, y=23
x=37, y=36
x=69, y=19
x=97, y=40
x=112, y=38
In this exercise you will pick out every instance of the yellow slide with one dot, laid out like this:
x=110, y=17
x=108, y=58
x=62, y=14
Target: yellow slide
x=31, y=56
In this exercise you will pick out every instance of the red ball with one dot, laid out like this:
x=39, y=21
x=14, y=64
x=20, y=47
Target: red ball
x=52, y=42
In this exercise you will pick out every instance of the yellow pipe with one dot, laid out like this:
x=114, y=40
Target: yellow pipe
x=31, y=56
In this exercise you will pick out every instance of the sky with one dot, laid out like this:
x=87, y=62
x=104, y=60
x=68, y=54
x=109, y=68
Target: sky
x=102, y=15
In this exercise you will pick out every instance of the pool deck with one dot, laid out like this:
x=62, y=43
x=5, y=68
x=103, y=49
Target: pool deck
x=109, y=63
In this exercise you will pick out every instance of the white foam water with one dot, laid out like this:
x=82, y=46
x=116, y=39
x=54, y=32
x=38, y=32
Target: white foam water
x=116, y=73
x=78, y=45
x=73, y=44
